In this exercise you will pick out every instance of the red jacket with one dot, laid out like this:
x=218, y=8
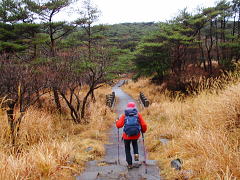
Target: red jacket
x=120, y=124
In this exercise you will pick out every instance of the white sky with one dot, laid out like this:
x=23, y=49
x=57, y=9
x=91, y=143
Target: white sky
x=120, y=11
x=116, y=11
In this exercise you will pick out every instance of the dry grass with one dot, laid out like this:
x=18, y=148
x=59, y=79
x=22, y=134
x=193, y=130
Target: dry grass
x=51, y=147
x=204, y=131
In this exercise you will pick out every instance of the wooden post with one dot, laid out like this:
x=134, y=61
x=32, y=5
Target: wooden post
x=144, y=100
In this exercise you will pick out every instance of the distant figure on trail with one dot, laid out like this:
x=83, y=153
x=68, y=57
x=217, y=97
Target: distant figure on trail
x=133, y=124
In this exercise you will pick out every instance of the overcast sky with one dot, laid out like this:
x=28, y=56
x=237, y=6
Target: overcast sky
x=119, y=11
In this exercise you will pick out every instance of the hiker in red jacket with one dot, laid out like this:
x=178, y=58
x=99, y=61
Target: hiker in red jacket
x=133, y=124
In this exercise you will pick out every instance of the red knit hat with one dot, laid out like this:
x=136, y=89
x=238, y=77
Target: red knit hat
x=131, y=105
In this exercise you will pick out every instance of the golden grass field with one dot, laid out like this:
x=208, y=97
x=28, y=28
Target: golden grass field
x=203, y=129
x=50, y=146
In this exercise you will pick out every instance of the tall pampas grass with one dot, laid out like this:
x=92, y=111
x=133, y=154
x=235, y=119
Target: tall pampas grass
x=50, y=146
x=203, y=129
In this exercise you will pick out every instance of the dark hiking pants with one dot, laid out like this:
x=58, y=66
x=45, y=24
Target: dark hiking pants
x=128, y=149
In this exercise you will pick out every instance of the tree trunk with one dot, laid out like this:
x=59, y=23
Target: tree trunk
x=57, y=100
x=51, y=33
x=89, y=43
x=223, y=30
x=85, y=102
x=52, y=48
x=209, y=61
x=209, y=49
x=216, y=37
x=13, y=123
x=39, y=103
x=74, y=112
x=239, y=24
x=34, y=51
x=234, y=24
x=93, y=96
x=200, y=45
x=10, y=115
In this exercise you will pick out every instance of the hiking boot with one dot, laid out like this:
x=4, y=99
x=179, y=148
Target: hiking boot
x=130, y=166
x=136, y=157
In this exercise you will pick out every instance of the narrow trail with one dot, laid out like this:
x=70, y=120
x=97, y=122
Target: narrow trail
x=108, y=168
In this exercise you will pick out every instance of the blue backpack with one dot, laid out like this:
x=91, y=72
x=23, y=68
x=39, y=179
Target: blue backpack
x=131, y=123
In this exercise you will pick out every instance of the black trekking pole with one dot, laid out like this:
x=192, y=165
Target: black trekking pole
x=118, y=148
x=145, y=155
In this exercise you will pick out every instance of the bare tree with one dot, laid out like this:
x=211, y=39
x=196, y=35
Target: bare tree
x=21, y=85
x=46, y=11
x=67, y=80
x=96, y=71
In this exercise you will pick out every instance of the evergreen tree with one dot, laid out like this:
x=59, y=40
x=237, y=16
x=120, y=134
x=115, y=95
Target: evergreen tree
x=46, y=11
x=15, y=27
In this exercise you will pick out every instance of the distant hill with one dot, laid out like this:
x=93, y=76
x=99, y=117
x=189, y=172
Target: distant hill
x=127, y=35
